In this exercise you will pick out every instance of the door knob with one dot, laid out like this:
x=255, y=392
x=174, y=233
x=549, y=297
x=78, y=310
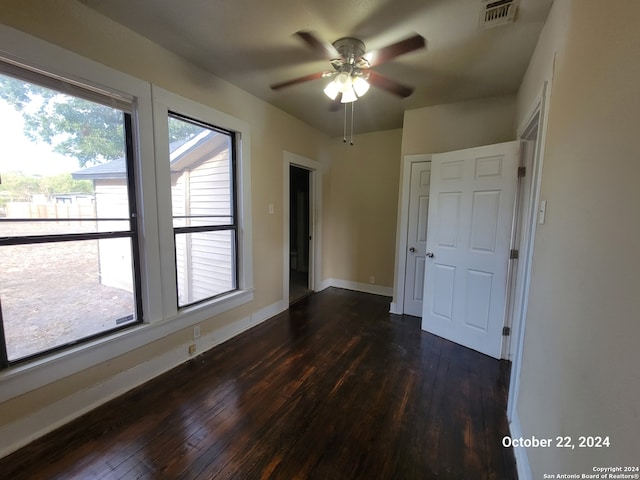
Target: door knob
x=430, y=254
x=412, y=250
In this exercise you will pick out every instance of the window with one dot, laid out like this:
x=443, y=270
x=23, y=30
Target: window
x=69, y=267
x=203, y=206
x=113, y=210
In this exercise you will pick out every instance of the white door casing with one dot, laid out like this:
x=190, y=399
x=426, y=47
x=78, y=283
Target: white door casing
x=315, y=216
x=417, y=237
x=469, y=234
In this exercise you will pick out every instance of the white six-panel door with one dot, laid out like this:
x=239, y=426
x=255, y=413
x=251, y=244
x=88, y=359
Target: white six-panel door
x=417, y=237
x=469, y=229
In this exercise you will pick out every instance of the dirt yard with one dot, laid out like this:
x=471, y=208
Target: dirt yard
x=50, y=294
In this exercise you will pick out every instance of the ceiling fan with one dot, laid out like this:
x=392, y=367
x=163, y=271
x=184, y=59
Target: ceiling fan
x=352, y=66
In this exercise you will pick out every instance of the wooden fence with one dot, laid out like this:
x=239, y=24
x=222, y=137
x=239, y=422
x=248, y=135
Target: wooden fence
x=60, y=211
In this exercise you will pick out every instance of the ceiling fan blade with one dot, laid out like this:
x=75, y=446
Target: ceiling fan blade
x=325, y=49
x=295, y=81
x=389, y=85
x=382, y=55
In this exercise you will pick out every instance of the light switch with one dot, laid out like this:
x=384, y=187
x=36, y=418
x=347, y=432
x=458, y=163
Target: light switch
x=542, y=211
x=271, y=210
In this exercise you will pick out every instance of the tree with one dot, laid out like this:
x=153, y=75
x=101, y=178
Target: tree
x=16, y=187
x=64, y=183
x=91, y=132
x=85, y=130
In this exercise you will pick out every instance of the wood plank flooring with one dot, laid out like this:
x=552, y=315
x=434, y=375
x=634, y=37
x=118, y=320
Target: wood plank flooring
x=334, y=388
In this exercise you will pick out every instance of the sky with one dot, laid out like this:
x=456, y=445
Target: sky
x=18, y=153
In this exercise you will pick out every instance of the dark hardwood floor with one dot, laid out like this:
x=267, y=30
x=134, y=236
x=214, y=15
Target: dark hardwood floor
x=334, y=388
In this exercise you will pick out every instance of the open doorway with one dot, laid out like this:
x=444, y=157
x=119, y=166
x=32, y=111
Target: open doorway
x=299, y=233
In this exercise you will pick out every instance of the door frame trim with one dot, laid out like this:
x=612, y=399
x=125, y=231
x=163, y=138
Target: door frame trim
x=402, y=228
x=536, y=118
x=315, y=214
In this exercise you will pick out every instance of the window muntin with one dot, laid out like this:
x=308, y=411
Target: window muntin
x=203, y=202
x=68, y=230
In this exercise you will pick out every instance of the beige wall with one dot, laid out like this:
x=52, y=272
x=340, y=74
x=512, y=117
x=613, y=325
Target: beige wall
x=580, y=372
x=454, y=126
x=361, y=203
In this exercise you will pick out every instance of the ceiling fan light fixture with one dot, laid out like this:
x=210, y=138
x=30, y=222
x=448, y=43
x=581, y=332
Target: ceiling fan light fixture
x=343, y=81
x=361, y=86
x=349, y=96
x=332, y=90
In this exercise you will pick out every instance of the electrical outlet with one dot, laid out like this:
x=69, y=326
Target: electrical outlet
x=192, y=349
x=196, y=332
x=372, y=280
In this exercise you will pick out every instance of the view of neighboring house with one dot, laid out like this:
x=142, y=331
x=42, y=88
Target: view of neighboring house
x=73, y=197
x=200, y=196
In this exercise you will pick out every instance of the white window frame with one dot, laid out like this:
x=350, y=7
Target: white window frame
x=160, y=314
x=165, y=102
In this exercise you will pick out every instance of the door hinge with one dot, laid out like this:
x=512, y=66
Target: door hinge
x=513, y=254
x=522, y=171
x=506, y=331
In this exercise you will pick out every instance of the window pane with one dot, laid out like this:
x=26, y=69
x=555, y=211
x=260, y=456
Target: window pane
x=205, y=265
x=201, y=175
x=53, y=294
x=64, y=172
x=63, y=158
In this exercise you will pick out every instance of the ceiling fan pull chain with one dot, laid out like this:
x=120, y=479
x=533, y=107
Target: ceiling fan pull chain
x=352, y=107
x=344, y=128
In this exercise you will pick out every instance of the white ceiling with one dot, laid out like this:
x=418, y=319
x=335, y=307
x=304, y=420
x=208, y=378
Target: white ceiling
x=251, y=44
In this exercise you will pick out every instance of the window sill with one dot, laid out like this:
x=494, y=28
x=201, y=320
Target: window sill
x=31, y=375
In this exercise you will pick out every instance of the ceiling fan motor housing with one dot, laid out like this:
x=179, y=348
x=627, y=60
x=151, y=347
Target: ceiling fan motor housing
x=351, y=49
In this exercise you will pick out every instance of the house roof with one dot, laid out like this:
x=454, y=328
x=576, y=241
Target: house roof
x=112, y=169
x=117, y=168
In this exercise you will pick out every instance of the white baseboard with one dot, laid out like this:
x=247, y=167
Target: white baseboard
x=522, y=461
x=395, y=309
x=26, y=429
x=268, y=312
x=359, y=287
x=323, y=285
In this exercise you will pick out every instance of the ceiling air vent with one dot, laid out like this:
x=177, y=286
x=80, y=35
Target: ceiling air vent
x=497, y=12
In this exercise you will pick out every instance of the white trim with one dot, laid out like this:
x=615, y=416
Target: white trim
x=397, y=305
x=522, y=461
x=39, y=423
x=324, y=284
x=268, y=312
x=537, y=114
x=315, y=224
x=357, y=286
x=163, y=102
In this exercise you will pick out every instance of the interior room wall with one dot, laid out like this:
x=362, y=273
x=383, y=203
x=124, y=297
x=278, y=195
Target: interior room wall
x=580, y=373
x=71, y=25
x=361, y=203
x=454, y=126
